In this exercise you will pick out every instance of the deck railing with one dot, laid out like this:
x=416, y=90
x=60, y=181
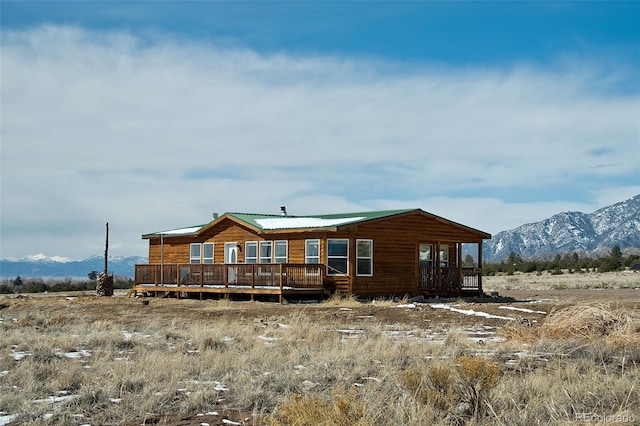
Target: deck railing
x=307, y=275
x=449, y=278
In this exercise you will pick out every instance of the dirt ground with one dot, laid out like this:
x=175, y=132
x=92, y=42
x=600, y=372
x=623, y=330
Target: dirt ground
x=521, y=305
x=134, y=311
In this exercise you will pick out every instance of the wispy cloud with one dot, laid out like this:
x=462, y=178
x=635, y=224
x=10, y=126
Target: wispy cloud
x=151, y=132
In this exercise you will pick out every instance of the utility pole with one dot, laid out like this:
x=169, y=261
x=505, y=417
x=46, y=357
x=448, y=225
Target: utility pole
x=104, y=285
x=106, y=252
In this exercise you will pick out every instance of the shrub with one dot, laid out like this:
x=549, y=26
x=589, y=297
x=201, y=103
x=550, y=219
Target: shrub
x=454, y=389
x=340, y=408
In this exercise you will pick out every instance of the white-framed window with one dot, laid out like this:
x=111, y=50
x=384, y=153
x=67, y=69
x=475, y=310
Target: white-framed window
x=444, y=255
x=364, y=257
x=425, y=255
x=207, y=252
x=194, y=252
x=312, y=251
x=280, y=251
x=251, y=252
x=337, y=256
x=265, y=251
x=312, y=255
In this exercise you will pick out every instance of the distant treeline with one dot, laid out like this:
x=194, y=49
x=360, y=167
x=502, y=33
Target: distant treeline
x=38, y=285
x=571, y=262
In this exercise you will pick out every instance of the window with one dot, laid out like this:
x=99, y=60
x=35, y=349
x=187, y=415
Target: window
x=265, y=251
x=251, y=252
x=364, y=257
x=444, y=255
x=337, y=257
x=312, y=255
x=425, y=255
x=280, y=252
x=312, y=251
x=207, y=253
x=194, y=253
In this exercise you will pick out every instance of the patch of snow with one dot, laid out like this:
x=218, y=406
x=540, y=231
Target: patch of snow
x=220, y=387
x=5, y=419
x=469, y=312
x=180, y=231
x=486, y=339
x=349, y=331
x=230, y=422
x=53, y=399
x=19, y=355
x=74, y=354
x=42, y=257
x=288, y=222
x=408, y=305
x=529, y=311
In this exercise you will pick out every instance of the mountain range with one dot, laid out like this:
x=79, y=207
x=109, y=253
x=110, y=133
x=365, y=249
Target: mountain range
x=591, y=233
x=59, y=267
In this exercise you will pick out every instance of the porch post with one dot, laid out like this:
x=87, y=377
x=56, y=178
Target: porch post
x=438, y=268
x=480, y=267
x=460, y=276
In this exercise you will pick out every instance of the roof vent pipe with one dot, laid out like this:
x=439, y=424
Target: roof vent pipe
x=283, y=211
x=215, y=216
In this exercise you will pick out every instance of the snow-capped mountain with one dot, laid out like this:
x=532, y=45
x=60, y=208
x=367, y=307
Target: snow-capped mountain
x=40, y=265
x=618, y=224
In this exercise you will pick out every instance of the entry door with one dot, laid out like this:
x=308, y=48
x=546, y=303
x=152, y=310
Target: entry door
x=231, y=257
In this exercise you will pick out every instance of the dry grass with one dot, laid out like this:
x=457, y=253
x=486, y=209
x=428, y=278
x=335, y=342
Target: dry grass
x=565, y=281
x=118, y=364
x=593, y=321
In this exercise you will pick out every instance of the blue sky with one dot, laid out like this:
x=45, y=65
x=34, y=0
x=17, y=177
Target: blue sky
x=153, y=115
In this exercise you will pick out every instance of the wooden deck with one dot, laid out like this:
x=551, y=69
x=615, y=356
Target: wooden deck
x=283, y=280
x=251, y=279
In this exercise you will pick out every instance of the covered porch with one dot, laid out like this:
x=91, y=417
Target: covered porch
x=446, y=281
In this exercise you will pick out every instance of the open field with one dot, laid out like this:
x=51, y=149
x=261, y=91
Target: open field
x=565, y=281
x=541, y=353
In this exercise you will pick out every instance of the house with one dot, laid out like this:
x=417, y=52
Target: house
x=367, y=254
